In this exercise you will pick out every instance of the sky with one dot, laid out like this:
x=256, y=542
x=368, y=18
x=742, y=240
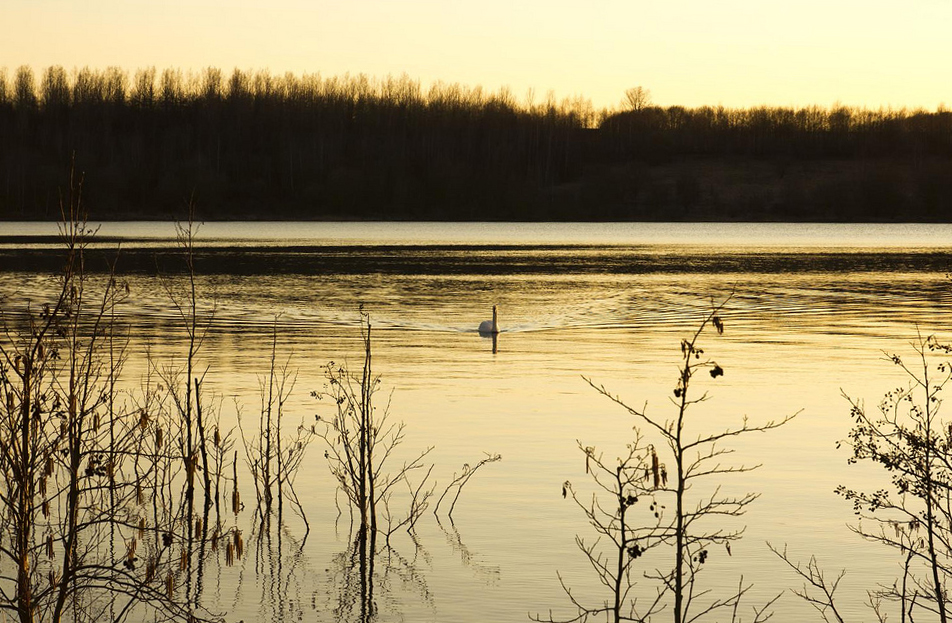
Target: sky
x=736, y=53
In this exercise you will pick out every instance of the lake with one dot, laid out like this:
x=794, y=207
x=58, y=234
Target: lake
x=812, y=310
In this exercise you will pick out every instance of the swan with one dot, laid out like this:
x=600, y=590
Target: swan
x=489, y=327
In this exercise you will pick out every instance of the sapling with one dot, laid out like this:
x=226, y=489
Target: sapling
x=678, y=526
x=360, y=441
x=907, y=438
x=77, y=465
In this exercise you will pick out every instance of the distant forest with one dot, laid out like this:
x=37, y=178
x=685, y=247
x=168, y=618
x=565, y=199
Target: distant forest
x=252, y=145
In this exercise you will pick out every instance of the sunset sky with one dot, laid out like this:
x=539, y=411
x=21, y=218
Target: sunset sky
x=693, y=52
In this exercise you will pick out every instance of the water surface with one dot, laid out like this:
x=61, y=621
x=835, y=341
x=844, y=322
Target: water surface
x=812, y=310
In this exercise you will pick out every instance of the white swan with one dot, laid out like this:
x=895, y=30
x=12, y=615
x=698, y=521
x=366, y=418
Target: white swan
x=489, y=327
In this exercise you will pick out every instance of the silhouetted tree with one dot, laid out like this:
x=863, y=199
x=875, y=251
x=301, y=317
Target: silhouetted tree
x=676, y=526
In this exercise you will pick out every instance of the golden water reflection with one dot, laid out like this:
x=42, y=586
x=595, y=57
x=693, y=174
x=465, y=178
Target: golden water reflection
x=801, y=327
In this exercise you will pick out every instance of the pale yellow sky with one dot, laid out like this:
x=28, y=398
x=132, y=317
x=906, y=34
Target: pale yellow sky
x=691, y=52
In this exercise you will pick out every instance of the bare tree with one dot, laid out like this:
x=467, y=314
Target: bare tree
x=76, y=466
x=637, y=98
x=360, y=443
x=361, y=440
x=679, y=525
x=611, y=514
x=907, y=437
x=273, y=459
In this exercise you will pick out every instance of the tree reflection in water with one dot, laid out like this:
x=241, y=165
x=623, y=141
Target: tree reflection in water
x=368, y=582
x=488, y=573
x=281, y=574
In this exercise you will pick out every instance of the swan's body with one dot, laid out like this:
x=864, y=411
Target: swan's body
x=489, y=327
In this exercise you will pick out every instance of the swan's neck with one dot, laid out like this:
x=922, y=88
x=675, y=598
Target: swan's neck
x=495, y=326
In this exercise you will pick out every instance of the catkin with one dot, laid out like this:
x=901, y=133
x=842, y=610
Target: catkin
x=655, y=468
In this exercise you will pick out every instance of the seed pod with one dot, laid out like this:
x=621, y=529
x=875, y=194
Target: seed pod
x=46, y=509
x=170, y=585
x=150, y=570
x=158, y=437
x=141, y=527
x=230, y=554
x=43, y=486
x=235, y=501
x=50, y=552
x=183, y=561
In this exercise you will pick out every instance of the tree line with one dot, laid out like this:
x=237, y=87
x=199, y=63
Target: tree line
x=254, y=144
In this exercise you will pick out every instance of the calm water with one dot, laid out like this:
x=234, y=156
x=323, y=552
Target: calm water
x=814, y=307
